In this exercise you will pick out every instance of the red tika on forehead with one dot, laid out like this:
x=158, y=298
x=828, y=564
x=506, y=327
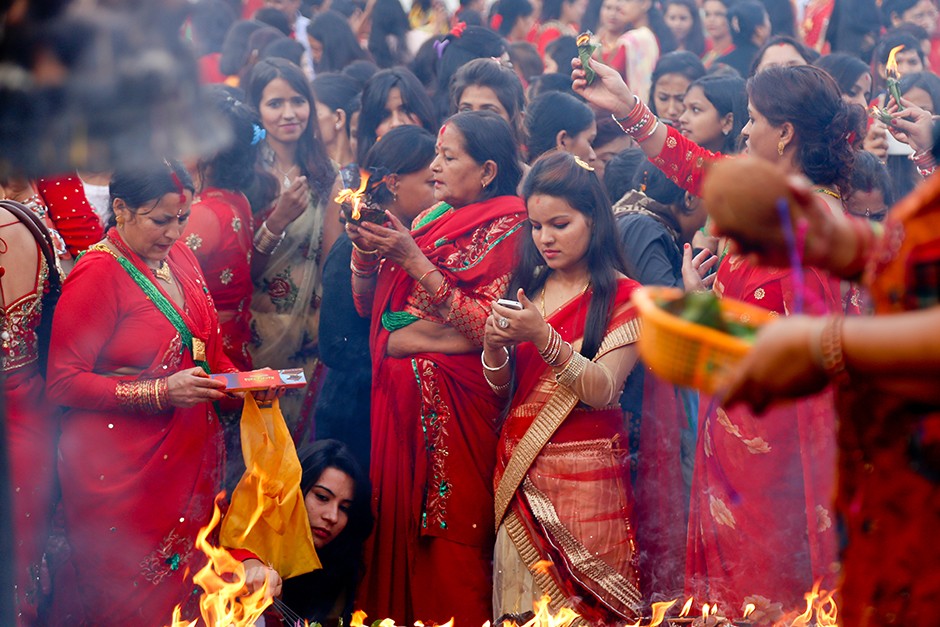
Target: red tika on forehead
x=178, y=184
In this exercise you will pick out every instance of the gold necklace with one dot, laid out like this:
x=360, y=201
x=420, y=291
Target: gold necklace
x=163, y=272
x=542, y=300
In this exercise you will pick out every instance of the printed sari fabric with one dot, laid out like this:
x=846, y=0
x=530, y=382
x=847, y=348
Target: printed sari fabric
x=136, y=487
x=761, y=524
x=567, y=530
x=434, y=427
x=889, y=446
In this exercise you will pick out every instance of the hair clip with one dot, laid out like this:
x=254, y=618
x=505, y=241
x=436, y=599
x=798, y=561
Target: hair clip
x=439, y=45
x=458, y=29
x=583, y=164
x=257, y=134
x=496, y=21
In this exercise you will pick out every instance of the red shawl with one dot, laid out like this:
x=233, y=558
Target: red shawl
x=434, y=426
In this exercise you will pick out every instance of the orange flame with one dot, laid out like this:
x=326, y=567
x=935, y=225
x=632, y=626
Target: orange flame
x=357, y=619
x=891, y=67
x=659, y=612
x=541, y=567
x=686, y=608
x=354, y=197
x=748, y=610
x=223, y=602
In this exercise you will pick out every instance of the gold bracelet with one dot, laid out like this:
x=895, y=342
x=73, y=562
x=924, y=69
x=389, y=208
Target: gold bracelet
x=572, y=370
x=426, y=275
x=364, y=251
x=497, y=388
x=830, y=345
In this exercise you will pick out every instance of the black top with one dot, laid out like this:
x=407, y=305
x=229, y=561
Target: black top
x=740, y=58
x=342, y=409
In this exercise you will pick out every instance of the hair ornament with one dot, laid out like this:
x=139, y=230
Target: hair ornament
x=584, y=164
x=439, y=46
x=257, y=133
x=496, y=21
x=457, y=31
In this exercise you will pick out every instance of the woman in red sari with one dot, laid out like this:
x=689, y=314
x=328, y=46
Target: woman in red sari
x=134, y=336
x=221, y=226
x=562, y=485
x=28, y=270
x=434, y=419
x=762, y=489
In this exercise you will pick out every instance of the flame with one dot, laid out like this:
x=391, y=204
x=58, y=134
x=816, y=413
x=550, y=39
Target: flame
x=705, y=610
x=891, y=67
x=659, y=612
x=357, y=619
x=541, y=567
x=827, y=612
x=686, y=608
x=748, y=610
x=223, y=602
x=354, y=197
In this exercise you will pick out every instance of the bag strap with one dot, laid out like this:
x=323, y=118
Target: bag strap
x=41, y=234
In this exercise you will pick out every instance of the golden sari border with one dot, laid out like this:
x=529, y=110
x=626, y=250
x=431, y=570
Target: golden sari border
x=549, y=418
x=583, y=564
x=530, y=556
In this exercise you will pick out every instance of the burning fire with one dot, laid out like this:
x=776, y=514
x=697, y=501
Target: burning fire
x=748, y=610
x=352, y=197
x=891, y=67
x=686, y=608
x=223, y=602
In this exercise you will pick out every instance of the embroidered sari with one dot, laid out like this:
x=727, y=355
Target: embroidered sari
x=219, y=232
x=761, y=524
x=30, y=436
x=285, y=309
x=136, y=486
x=760, y=518
x=563, y=481
x=434, y=427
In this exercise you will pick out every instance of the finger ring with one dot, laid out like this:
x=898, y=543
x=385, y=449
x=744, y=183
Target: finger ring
x=503, y=323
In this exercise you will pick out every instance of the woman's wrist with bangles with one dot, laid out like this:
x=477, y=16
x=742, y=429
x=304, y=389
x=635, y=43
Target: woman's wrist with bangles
x=266, y=241
x=640, y=123
x=826, y=349
x=364, y=264
x=488, y=368
x=150, y=396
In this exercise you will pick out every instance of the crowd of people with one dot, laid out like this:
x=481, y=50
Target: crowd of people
x=477, y=429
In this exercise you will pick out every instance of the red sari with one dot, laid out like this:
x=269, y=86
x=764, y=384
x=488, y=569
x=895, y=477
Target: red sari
x=572, y=507
x=761, y=521
x=30, y=436
x=136, y=487
x=219, y=232
x=434, y=428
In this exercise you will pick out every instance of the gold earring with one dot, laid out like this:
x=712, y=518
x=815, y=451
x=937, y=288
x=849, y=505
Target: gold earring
x=483, y=184
x=119, y=220
x=780, y=147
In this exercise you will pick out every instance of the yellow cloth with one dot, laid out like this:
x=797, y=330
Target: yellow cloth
x=277, y=530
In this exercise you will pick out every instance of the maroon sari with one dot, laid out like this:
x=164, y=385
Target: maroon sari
x=567, y=500
x=434, y=425
x=136, y=487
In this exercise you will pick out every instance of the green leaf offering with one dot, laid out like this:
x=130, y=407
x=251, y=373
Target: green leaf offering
x=586, y=49
x=704, y=308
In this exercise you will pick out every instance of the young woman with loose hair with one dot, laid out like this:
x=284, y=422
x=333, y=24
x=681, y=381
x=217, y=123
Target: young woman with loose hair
x=570, y=346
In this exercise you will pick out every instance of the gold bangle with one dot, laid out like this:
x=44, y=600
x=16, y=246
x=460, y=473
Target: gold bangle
x=572, y=370
x=426, y=275
x=830, y=345
x=364, y=251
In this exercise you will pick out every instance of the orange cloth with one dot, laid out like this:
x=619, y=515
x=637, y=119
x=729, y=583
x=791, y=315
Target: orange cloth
x=271, y=485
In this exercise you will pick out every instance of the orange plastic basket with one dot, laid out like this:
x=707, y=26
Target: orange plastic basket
x=690, y=354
